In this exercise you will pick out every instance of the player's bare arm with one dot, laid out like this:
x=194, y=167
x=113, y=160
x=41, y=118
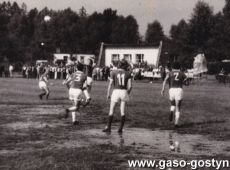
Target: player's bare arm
x=130, y=86
x=185, y=79
x=67, y=81
x=164, y=83
x=85, y=84
x=45, y=79
x=109, y=88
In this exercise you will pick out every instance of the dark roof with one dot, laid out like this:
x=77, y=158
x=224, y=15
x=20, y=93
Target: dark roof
x=130, y=46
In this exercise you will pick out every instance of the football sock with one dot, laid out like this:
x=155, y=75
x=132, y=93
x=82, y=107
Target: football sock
x=110, y=122
x=73, y=108
x=172, y=109
x=87, y=102
x=42, y=94
x=177, y=116
x=86, y=94
x=122, y=123
x=73, y=116
x=108, y=127
x=47, y=95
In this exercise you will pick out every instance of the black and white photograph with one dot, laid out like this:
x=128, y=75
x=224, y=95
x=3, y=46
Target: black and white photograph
x=114, y=84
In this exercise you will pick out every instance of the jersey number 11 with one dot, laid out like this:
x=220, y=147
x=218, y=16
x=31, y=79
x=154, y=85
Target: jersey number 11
x=121, y=79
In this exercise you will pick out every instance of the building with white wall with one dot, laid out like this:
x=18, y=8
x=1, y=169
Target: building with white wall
x=84, y=57
x=135, y=54
x=66, y=58
x=61, y=58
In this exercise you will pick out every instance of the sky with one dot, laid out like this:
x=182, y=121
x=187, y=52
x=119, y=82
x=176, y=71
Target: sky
x=168, y=12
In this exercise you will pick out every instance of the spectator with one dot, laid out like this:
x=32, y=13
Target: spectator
x=11, y=68
x=55, y=73
x=27, y=72
x=107, y=72
x=94, y=73
x=6, y=71
x=35, y=72
x=24, y=71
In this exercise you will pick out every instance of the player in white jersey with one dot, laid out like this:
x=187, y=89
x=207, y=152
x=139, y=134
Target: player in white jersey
x=69, y=71
x=88, y=70
x=43, y=80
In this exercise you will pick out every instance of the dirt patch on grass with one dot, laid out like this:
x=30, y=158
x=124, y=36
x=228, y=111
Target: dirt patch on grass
x=30, y=124
x=159, y=141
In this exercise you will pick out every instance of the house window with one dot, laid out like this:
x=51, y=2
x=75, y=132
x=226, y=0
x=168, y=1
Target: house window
x=139, y=58
x=65, y=58
x=115, y=57
x=82, y=59
x=128, y=57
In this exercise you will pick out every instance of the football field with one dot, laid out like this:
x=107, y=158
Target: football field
x=33, y=134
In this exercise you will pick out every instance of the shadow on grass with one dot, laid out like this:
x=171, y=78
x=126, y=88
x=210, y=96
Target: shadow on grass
x=60, y=98
x=188, y=125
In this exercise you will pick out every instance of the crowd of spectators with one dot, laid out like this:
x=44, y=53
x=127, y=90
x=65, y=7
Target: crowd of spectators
x=60, y=72
x=101, y=73
x=54, y=71
x=6, y=70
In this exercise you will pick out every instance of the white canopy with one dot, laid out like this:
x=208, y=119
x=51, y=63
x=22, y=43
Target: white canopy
x=200, y=64
x=226, y=61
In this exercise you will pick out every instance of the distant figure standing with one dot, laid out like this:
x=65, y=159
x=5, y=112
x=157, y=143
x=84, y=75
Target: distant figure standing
x=24, y=71
x=38, y=71
x=56, y=73
x=107, y=72
x=27, y=72
x=11, y=68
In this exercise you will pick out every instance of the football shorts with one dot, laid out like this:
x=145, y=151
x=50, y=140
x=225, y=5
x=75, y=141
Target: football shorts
x=75, y=94
x=175, y=94
x=89, y=81
x=42, y=85
x=119, y=95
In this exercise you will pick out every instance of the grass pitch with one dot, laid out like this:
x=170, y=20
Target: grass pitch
x=32, y=135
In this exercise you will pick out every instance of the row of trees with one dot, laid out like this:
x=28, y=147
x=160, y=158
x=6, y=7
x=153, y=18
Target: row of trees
x=203, y=32
x=26, y=36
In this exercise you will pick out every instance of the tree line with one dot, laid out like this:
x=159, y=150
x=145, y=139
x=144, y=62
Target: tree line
x=204, y=32
x=25, y=36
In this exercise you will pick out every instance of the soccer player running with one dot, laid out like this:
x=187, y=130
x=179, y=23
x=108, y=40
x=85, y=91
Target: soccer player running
x=43, y=80
x=121, y=81
x=69, y=71
x=88, y=70
x=176, y=79
x=77, y=81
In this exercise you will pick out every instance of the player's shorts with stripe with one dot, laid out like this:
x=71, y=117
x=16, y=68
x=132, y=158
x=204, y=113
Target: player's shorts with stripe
x=75, y=94
x=89, y=81
x=42, y=85
x=119, y=95
x=175, y=94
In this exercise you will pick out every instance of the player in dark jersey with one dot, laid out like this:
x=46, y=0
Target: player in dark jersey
x=43, y=80
x=176, y=80
x=121, y=81
x=77, y=82
x=88, y=70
